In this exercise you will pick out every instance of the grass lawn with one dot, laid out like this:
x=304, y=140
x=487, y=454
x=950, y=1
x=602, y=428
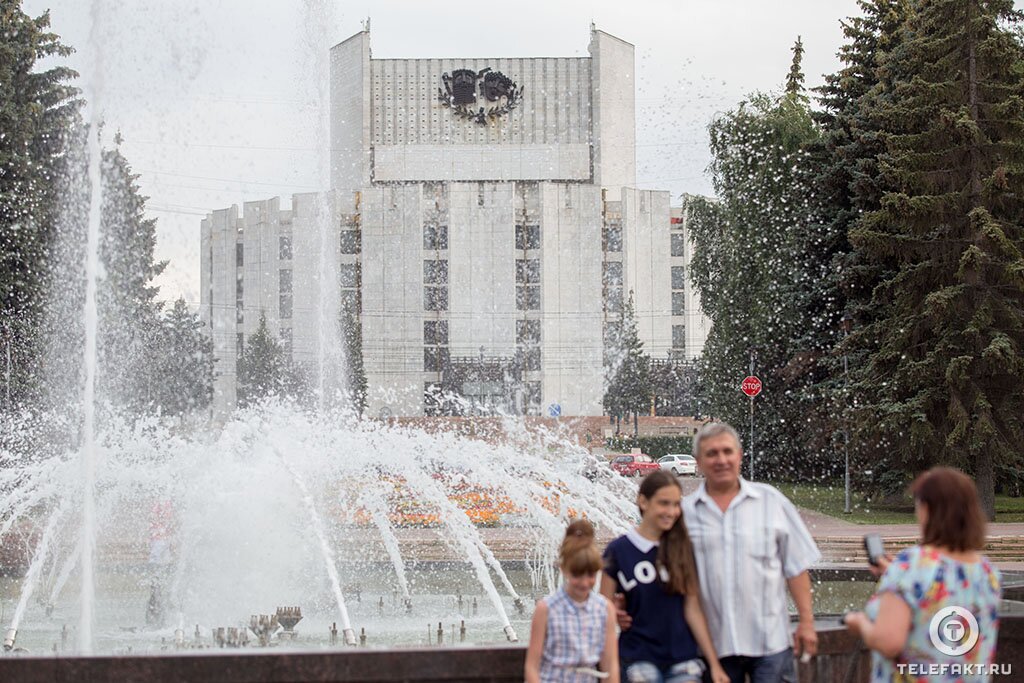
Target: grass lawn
x=829, y=500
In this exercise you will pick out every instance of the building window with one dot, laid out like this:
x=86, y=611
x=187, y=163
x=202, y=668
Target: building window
x=612, y=238
x=612, y=273
x=531, y=358
x=678, y=303
x=285, y=281
x=239, y=254
x=239, y=313
x=527, y=298
x=239, y=344
x=532, y=394
x=284, y=305
x=435, y=237
x=528, y=332
x=349, y=300
x=679, y=336
x=435, y=332
x=435, y=272
x=435, y=298
x=528, y=271
x=286, y=340
x=527, y=237
x=350, y=242
x=678, y=277
x=435, y=358
x=348, y=274
x=678, y=244
x=613, y=299
x=284, y=247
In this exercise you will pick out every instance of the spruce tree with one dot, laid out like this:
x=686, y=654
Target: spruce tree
x=37, y=110
x=628, y=389
x=944, y=382
x=265, y=370
x=183, y=363
x=839, y=179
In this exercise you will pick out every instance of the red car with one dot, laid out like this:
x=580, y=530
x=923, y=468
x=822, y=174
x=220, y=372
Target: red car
x=634, y=465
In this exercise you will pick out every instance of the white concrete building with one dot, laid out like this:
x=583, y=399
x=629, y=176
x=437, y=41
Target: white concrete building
x=486, y=225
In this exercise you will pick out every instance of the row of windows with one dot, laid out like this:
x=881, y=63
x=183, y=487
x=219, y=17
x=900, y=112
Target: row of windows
x=435, y=237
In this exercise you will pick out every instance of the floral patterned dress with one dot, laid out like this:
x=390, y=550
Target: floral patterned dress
x=930, y=581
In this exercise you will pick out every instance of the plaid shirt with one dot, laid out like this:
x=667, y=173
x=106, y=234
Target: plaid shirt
x=744, y=556
x=574, y=637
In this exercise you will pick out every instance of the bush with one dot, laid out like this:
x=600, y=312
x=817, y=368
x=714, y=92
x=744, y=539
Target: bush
x=654, y=446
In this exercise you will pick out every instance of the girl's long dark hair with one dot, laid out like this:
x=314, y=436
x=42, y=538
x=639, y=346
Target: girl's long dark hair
x=675, y=551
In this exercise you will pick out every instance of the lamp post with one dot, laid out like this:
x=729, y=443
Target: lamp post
x=847, y=324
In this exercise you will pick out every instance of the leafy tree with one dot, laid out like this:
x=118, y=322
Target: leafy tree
x=37, y=109
x=184, y=364
x=629, y=383
x=795, y=78
x=943, y=384
x=264, y=369
x=748, y=260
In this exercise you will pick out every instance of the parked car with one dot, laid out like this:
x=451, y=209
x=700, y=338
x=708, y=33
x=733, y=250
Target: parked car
x=679, y=464
x=634, y=464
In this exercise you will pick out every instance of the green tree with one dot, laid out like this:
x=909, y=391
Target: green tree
x=943, y=383
x=184, y=363
x=37, y=110
x=839, y=179
x=747, y=262
x=628, y=388
x=795, y=78
x=264, y=369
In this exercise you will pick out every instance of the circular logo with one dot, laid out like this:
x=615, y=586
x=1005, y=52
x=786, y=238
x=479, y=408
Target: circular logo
x=953, y=631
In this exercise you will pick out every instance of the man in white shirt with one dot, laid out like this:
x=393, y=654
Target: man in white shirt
x=750, y=545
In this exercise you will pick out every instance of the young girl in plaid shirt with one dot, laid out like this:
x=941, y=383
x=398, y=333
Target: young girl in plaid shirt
x=572, y=638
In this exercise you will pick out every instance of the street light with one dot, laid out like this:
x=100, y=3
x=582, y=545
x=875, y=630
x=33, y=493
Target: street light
x=847, y=324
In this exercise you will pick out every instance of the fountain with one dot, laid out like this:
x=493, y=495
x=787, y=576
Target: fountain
x=263, y=510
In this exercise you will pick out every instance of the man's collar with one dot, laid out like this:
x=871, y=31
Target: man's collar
x=746, y=489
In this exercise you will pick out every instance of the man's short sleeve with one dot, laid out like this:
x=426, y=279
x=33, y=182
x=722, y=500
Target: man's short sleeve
x=798, y=549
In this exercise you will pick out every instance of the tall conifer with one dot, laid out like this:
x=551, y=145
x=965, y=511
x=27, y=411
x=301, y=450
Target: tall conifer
x=944, y=382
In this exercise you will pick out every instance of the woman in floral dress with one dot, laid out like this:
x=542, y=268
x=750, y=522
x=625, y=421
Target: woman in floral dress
x=934, y=614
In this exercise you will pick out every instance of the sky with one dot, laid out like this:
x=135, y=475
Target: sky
x=217, y=100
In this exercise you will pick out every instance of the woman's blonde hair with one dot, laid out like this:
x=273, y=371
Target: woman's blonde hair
x=578, y=554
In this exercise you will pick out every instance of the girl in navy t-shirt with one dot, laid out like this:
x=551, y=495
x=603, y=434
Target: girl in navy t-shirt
x=653, y=568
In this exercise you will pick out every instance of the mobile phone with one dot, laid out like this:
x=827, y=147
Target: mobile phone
x=873, y=547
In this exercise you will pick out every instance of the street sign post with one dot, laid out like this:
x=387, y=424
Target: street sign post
x=751, y=386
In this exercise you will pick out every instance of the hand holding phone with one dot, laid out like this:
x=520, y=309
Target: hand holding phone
x=874, y=548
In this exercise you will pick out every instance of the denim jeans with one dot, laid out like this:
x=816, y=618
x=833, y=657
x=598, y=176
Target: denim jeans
x=647, y=672
x=776, y=668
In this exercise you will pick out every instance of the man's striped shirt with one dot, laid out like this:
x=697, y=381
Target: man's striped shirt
x=744, y=557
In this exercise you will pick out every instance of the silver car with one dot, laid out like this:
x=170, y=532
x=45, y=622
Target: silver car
x=679, y=464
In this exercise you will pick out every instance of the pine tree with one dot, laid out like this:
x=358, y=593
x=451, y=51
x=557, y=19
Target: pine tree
x=265, y=370
x=944, y=382
x=130, y=313
x=628, y=388
x=37, y=110
x=795, y=78
x=183, y=363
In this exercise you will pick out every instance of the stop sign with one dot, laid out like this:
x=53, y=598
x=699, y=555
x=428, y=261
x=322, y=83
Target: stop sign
x=751, y=386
